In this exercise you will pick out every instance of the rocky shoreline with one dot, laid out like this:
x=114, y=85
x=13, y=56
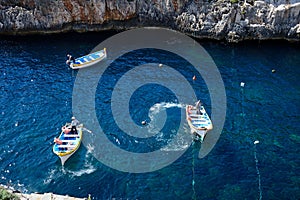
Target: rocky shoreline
x=46, y=196
x=10, y=193
x=232, y=20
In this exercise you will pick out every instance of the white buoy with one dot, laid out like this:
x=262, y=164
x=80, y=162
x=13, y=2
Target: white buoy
x=160, y=65
x=256, y=142
x=143, y=122
x=242, y=84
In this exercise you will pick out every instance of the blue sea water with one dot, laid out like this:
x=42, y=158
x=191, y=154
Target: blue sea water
x=36, y=100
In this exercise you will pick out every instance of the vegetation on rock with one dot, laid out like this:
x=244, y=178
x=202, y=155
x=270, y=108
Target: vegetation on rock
x=6, y=195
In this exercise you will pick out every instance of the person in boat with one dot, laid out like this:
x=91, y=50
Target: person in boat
x=57, y=141
x=66, y=129
x=74, y=123
x=70, y=59
x=189, y=109
x=198, y=107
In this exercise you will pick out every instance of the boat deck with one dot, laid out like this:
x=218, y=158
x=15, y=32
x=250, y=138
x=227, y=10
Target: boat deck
x=89, y=58
x=199, y=118
x=69, y=142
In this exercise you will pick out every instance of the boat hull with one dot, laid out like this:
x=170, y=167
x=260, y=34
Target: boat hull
x=63, y=159
x=198, y=121
x=88, y=60
x=70, y=144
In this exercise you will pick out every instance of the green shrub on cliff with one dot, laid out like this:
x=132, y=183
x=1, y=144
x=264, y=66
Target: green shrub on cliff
x=234, y=1
x=5, y=195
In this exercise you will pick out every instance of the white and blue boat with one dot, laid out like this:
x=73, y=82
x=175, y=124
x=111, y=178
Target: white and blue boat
x=88, y=60
x=67, y=143
x=198, y=121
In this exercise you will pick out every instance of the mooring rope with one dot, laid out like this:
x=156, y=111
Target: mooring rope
x=242, y=84
x=193, y=171
x=257, y=170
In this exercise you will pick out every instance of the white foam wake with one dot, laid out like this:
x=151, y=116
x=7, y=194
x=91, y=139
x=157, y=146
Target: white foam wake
x=163, y=105
x=61, y=171
x=88, y=168
x=157, y=114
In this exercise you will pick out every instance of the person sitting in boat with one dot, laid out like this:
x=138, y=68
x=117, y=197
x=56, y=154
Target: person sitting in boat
x=70, y=59
x=189, y=109
x=57, y=141
x=198, y=107
x=74, y=123
x=66, y=129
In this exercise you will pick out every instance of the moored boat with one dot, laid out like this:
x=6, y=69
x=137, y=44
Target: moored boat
x=68, y=142
x=87, y=60
x=198, y=120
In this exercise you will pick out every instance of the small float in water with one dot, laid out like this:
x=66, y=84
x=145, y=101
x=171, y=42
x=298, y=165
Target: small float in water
x=198, y=120
x=68, y=142
x=87, y=60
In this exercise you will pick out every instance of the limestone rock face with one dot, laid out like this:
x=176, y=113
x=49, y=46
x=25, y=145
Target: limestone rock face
x=233, y=20
x=59, y=15
x=243, y=20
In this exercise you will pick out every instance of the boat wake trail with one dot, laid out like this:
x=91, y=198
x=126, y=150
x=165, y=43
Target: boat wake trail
x=87, y=168
x=167, y=105
x=52, y=174
x=157, y=115
x=159, y=109
x=61, y=171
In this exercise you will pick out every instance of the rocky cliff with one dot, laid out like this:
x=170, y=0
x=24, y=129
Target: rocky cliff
x=233, y=20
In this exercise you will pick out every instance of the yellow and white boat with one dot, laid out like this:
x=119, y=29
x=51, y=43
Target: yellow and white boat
x=67, y=143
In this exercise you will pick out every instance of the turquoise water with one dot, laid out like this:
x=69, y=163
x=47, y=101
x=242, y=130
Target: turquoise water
x=36, y=100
